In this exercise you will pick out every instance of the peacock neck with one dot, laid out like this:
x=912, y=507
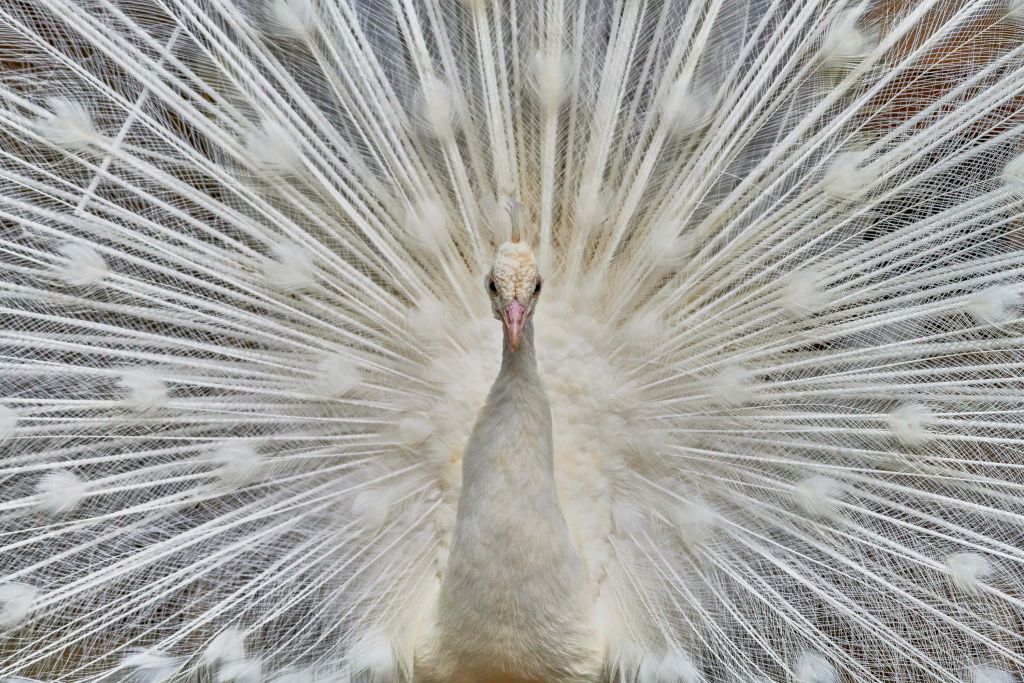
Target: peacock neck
x=514, y=591
x=521, y=363
x=514, y=428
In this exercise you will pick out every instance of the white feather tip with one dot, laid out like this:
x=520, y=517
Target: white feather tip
x=672, y=667
x=550, y=79
x=151, y=666
x=985, y=673
x=84, y=266
x=910, y=422
x=414, y=430
x=248, y=670
x=69, y=124
x=684, y=111
x=426, y=320
x=239, y=464
x=818, y=496
x=144, y=390
x=298, y=18
x=845, y=43
x=272, y=148
x=695, y=522
x=8, y=422
x=373, y=506
x=290, y=269
x=426, y=224
x=813, y=668
x=995, y=306
x=734, y=386
x=437, y=108
x=848, y=174
x=804, y=293
x=335, y=375
x=372, y=658
x=966, y=570
x=60, y=492
x=16, y=602
x=227, y=646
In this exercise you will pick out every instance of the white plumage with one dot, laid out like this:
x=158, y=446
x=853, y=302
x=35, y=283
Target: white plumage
x=967, y=570
x=60, y=491
x=151, y=666
x=16, y=602
x=811, y=667
x=84, y=266
x=257, y=422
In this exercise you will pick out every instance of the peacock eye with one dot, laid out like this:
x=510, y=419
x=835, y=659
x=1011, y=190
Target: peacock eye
x=536, y=288
x=493, y=288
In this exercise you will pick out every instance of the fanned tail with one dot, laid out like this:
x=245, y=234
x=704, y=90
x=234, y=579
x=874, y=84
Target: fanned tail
x=243, y=342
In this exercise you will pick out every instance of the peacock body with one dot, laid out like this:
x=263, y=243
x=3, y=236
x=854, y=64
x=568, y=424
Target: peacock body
x=257, y=422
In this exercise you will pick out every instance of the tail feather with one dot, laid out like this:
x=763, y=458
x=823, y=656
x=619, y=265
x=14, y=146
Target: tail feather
x=245, y=335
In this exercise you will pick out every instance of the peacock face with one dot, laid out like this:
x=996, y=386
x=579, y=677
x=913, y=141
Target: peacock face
x=514, y=286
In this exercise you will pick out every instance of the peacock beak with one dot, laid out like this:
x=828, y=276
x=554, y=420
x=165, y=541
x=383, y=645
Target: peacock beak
x=514, y=317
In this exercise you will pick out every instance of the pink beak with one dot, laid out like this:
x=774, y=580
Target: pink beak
x=514, y=317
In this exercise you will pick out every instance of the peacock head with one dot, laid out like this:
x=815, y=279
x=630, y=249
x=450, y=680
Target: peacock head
x=514, y=287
